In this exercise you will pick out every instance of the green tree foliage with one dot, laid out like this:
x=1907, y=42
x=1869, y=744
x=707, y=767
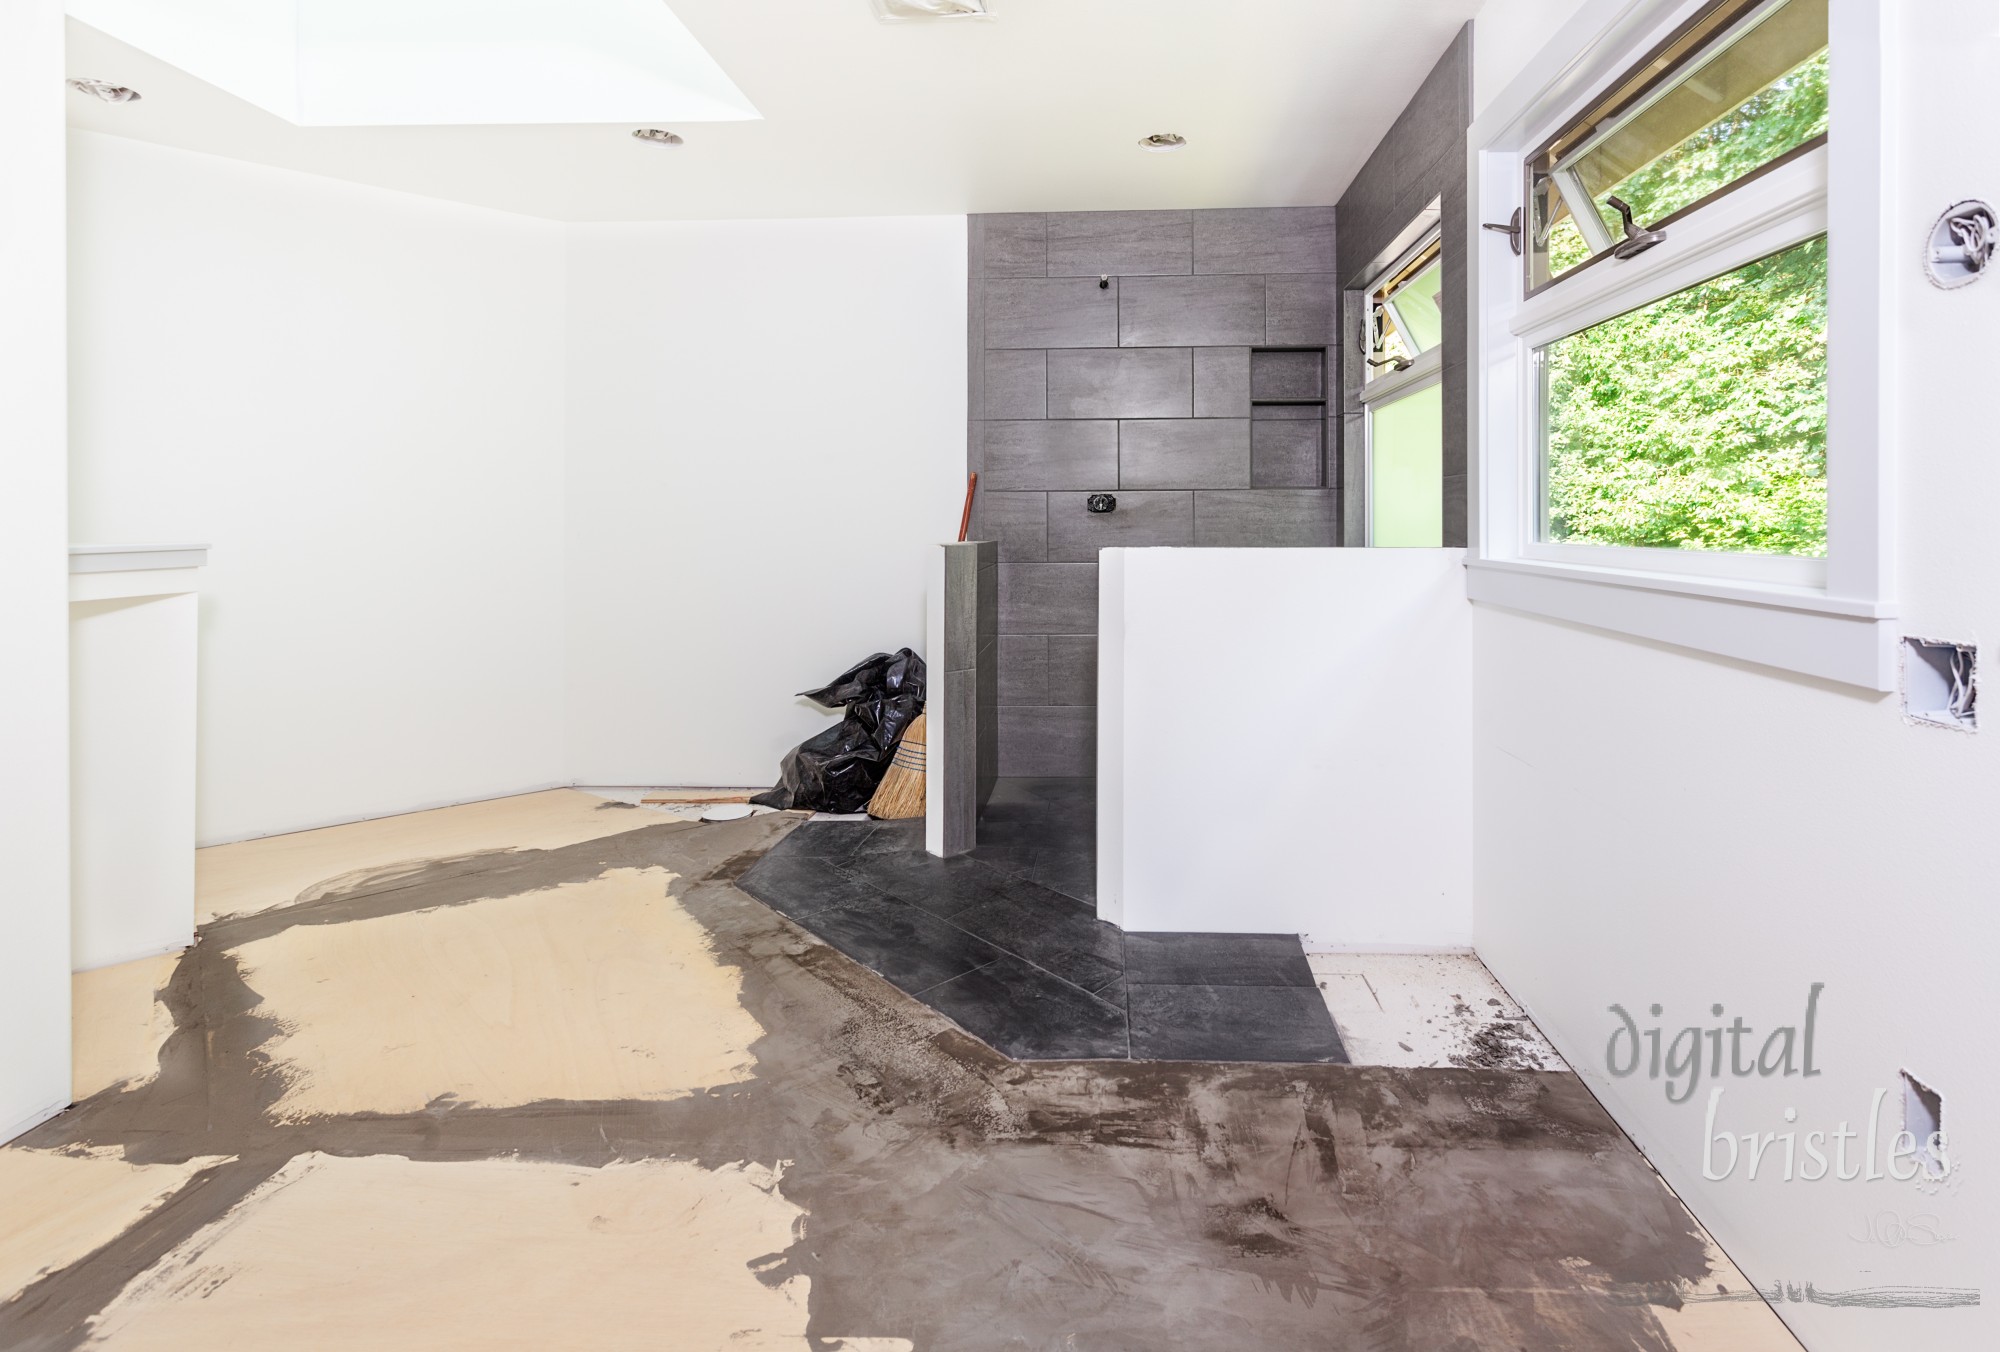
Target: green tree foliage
x=1699, y=422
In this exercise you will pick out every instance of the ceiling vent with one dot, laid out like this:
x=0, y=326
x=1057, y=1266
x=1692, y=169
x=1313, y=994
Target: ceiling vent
x=903, y=11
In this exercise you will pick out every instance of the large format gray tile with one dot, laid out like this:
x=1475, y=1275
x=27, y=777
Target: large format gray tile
x=1184, y=453
x=989, y=589
x=1288, y=375
x=1277, y=517
x=1181, y=959
x=1286, y=452
x=1141, y=519
x=975, y=344
x=1016, y=522
x=942, y=887
x=1039, y=455
x=1222, y=382
x=1048, y=740
x=1232, y=1023
x=1028, y=1013
x=1121, y=243
x=1050, y=930
x=1432, y=124
x=1455, y=514
x=1120, y=383
x=957, y=693
x=1301, y=310
x=1024, y=669
x=1053, y=312
x=1072, y=669
x=1188, y=312
x=1016, y=245
x=961, y=606
x=1047, y=598
x=1016, y=384
x=1264, y=239
x=1454, y=417
x=912, y=948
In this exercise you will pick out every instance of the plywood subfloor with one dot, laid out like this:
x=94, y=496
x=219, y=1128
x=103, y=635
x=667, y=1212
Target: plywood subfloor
x=58, y=1206
x=385, y=1252
x=594, y=1095
x=600, y=989
x=256, y=875
x=118, y=1024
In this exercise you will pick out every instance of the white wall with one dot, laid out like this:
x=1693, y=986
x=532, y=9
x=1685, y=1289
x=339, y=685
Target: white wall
x=1506, y=34
x=1659, y=826
x=766, y=430
x=1285, y=744
x=133, y=758
x=354, y=396
x=34, y=581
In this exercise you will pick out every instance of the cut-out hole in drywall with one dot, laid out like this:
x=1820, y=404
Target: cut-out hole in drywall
x=1940, y=684
x=1923, y=1118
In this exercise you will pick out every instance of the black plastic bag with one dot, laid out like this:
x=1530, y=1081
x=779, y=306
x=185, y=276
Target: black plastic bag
x=838, y=770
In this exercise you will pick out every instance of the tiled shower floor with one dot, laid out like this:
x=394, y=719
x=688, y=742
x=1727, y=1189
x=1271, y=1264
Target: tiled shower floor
x=1006, y=940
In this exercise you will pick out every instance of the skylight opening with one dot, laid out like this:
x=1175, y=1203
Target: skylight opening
x=348, y=63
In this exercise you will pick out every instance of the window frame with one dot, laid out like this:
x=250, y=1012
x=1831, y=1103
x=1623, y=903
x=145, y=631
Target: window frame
x=1829, y=618
x=1389, y=386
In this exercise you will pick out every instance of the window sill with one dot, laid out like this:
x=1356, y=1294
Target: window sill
x=1790, y=628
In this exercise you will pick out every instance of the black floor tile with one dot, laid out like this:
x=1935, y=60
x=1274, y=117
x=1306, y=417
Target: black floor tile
x=1050, y=930
x=1020, y=789
x=943, y=887
x=1217, y=960
x=1023, y=1011
x=824, y=840
x=1007, y=941
x=1070, y=872
x=797, y=884
x=1231, y=1023
x=1013, y=861
x=902, y=837
x=913, y=949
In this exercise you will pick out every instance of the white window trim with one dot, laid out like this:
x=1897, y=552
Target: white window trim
x=1828, y=618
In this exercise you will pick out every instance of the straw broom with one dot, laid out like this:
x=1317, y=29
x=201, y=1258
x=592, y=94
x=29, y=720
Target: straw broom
x=901, y=792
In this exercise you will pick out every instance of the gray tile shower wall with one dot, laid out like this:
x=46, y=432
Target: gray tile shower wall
x=1421, y=158
x=1128, y=352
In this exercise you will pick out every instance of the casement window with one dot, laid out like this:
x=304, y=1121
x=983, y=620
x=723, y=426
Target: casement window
x=1403, y=397
x=1676, y=252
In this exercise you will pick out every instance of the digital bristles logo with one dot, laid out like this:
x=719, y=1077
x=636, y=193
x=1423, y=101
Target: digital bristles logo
x=1732, y=1050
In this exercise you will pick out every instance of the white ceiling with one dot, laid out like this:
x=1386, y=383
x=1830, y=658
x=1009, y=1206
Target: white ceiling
x=351, y=63
x=1039, y=110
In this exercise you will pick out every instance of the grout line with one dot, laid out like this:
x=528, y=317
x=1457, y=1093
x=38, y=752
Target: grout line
x=920, y=994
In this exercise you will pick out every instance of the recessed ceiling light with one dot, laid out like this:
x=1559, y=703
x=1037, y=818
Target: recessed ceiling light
x=657, y=136
x=1163, y=140
x=104, y=89
x=896, y=11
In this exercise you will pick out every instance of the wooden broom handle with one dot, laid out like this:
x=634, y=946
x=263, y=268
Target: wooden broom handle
x=965, y=521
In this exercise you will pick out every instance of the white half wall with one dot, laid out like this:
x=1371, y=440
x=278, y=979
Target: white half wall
x=354, y=396
x=1658, y=827
x=34, y=573
x=1284, y=744
x=133, y=671
x=766, y=433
